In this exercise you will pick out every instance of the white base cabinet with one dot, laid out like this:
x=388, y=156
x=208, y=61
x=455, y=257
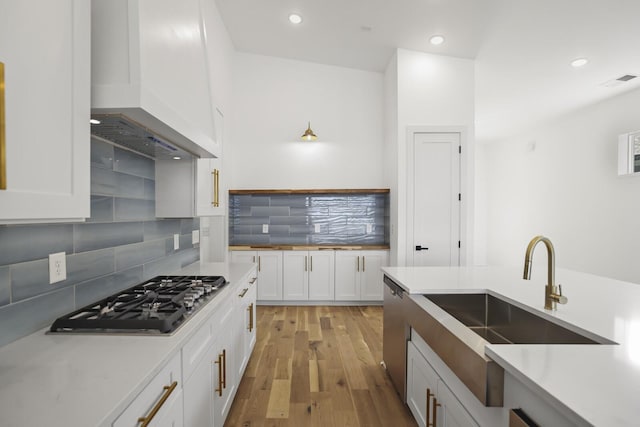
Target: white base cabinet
x=358, y=275
x=450, y=403
x=45, y=49
x=269, y=272
x=308, y=275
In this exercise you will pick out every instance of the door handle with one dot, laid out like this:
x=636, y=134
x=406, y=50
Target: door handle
x=420, y=248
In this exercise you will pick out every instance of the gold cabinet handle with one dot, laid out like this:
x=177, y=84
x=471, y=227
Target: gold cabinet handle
x=429, y=395
x=244, y=291
x=435, y=411
x=311, y=263
x=168, y=389
x=216, y=188
x=363, y=263
x=253, y=280
x=305, y=263
x=358, y=263
x=219, y=363
x=224, y=369
x=250, y=309
x=258, y=262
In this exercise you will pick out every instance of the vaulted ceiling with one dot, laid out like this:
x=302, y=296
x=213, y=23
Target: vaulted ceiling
x=522, y=48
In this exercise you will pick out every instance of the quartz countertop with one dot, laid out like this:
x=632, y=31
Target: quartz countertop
x=88, y=380
x=598, y=383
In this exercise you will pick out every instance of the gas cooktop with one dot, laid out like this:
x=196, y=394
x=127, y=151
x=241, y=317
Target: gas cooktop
x=157, y=306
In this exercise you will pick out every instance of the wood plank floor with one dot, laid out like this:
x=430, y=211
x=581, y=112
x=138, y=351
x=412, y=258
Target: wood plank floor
x=317, y=366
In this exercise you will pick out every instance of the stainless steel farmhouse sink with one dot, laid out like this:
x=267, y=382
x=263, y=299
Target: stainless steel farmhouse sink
x=500, y=322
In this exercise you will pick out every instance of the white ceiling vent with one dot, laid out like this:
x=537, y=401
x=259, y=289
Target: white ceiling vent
x=620, y=80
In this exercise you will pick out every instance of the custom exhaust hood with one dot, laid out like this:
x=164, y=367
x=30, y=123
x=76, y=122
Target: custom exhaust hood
x=150, y=87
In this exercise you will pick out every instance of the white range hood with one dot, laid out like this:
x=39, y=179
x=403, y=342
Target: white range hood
x=150, y=85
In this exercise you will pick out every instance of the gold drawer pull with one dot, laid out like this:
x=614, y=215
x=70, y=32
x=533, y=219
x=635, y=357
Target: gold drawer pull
x=250, y=308
x=362, y=263
x=358, y=263
x=216, y=188
x=253, y=280
x=219, y=363
x=224, y=368
x=244, y=291
x=428, y=421
x=168, y=389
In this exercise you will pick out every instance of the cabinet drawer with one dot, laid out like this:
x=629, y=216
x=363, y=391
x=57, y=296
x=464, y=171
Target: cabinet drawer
x=161, y=394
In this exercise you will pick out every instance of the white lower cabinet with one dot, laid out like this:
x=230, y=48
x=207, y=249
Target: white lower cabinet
x=451, y=403
x=358, y=276
x=537, y=406
x=269, y=272
x=246, y=322
x=160, y=402
x=308, y=275
x=429, y=398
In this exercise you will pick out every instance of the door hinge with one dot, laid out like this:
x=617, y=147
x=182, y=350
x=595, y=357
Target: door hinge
x=460, y=149
x=459, y=197
x=458, y=244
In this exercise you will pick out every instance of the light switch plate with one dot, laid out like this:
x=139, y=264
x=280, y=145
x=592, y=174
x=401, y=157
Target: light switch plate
x=195, y=237
x=316, y=228
x=265, y=228
x=57, y=267
x=369, y=228
x=176, y=242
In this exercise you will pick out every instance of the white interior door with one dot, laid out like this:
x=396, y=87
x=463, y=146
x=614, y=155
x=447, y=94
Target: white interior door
x=436, y=204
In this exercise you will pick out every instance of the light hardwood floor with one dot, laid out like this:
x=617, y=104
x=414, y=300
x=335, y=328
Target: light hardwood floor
x=317, y=366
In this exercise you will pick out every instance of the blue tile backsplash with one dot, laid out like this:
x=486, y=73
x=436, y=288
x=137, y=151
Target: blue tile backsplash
x=292, y=219
x=123, y=243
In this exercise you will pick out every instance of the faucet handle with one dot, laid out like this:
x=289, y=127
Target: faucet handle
x=561, y=299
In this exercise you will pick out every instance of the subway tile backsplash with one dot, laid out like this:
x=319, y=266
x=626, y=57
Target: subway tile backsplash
x=121, y=244
x=293, y=219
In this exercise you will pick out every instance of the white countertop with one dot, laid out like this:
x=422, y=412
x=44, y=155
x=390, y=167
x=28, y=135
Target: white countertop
x=599, y=383
x=87, y=380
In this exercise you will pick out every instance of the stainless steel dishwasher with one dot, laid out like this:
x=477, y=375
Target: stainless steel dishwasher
x=395, y=335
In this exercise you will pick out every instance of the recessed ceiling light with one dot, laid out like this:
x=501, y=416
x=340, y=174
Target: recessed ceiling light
x=94, y=121
x=176, y=157
x=579, y=62
x=436, y=40
x=294, y=18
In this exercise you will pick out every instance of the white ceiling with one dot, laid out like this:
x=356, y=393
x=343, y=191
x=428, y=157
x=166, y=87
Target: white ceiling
x=522, y=48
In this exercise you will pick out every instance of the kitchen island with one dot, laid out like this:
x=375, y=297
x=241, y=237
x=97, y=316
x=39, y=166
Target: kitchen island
x=589, y=384
x=89, y=380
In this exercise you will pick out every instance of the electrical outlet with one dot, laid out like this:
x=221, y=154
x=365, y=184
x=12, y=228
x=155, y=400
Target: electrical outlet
x=369, y=228
x=316, y=228
x=57, y=267
x=195, y=237
x=265, y=228
x=176, y=242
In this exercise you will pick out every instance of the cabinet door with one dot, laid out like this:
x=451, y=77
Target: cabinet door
x=211, y=196
x=248, y=325
x=321, y=275
x=269, y=275
x=451, y=413
x=224, y=371
x=45, y=49
x=420, y=378
x=347, y=275
x=371, y=285
x=199, y=390
x=295, y=275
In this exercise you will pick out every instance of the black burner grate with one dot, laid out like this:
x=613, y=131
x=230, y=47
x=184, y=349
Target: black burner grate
x=158, y=305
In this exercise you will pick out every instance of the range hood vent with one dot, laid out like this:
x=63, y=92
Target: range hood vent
x=122, y=130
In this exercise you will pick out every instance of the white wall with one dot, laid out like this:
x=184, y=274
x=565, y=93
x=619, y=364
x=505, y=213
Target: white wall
x=274, y=99
x=432, y=90
x=566, y=188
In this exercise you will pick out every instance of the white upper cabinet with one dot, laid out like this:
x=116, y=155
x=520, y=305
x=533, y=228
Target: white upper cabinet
x=45, y=49
x=149, y=62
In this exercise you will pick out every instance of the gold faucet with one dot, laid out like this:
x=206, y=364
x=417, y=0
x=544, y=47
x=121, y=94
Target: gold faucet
x=552, y=295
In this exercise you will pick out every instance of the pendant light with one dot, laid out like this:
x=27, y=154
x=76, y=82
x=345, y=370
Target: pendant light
x=308, y=134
